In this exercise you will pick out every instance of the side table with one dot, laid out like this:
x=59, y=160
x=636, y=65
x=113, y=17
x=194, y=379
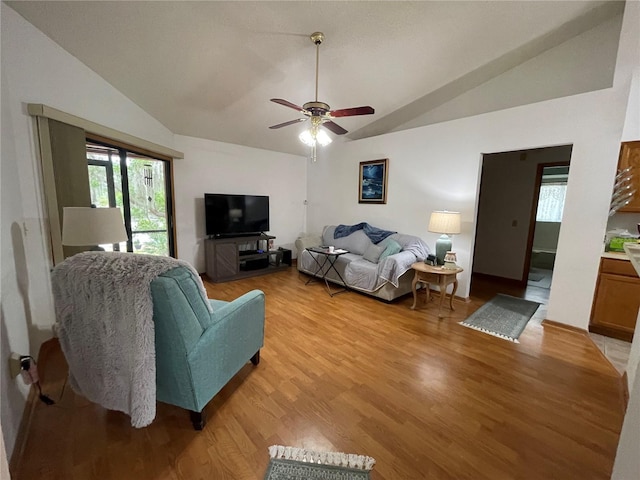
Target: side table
x=440, y=276
x=329, y=260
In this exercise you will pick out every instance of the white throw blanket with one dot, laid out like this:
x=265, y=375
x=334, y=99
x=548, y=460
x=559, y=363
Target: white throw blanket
x=105, y=314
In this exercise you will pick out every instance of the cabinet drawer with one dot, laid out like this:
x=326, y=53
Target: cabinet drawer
x=617, y=267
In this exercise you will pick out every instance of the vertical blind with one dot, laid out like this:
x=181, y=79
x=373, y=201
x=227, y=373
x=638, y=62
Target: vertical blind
x=551, y=202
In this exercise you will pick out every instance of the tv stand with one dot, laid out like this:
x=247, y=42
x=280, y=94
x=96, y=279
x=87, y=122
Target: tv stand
x=233, y=258
x=237, y=235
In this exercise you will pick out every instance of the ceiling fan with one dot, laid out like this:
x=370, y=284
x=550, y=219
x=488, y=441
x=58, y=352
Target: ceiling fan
x=319, y=112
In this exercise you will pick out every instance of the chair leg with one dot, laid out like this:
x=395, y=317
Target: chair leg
x=198, y=419
x=256, y=358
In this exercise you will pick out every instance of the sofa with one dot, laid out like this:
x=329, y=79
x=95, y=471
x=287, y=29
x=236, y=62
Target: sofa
x=381, y=269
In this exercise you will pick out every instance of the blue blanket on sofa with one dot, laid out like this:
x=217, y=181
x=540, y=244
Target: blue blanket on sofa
x=376, y=235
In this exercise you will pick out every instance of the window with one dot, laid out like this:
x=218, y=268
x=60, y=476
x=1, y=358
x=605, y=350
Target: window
x=139, y=185
x=553, y=189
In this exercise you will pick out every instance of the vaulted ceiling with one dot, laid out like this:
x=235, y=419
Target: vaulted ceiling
x=208, y=69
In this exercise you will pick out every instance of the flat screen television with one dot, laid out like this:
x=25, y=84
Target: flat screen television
x=231, y=215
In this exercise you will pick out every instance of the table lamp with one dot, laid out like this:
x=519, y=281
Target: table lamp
x=84, y=226
x=446, y=223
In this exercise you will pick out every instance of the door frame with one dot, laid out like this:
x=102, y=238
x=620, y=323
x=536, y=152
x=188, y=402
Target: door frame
x=534, y=213
x=111, y=189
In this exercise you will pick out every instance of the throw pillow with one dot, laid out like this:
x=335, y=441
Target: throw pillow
x=391, y=248
x=357, y=242
x=373, y=253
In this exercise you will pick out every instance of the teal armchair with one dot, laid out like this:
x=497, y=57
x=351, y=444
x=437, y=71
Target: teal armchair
x=198, y=352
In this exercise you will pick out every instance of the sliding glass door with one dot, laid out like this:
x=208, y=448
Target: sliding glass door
x=140, y=185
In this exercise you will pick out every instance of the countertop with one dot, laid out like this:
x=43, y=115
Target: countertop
x=616, y=255
x=633, y=252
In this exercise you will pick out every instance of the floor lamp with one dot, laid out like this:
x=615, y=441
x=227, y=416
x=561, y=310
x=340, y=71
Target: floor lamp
x=446, y=223
x=86, y=226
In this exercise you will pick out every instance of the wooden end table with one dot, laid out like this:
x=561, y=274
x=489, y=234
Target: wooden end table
x=438, y=275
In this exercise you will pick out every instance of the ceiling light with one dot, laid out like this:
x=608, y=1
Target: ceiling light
x=306, y=138
x=314, y=135
x=323, y=139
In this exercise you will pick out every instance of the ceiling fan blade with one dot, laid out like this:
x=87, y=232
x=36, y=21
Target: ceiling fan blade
x=334, y=127
x=287, y=104
x=290, y=122
x=350, y=112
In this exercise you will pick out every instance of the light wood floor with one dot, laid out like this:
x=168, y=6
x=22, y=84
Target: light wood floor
x=427, y=398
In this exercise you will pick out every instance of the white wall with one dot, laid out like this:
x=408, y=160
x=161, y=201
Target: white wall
x=631, y=129
x=215, y=167
x=37, y=70
x=438, y=167
x=581, y=64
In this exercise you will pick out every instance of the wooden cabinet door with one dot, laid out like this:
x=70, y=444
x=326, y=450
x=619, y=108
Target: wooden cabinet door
x=226, y=260
x=617, y=302
x=630, y=157
x=221, y=259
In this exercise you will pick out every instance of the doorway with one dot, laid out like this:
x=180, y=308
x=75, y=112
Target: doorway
x=508, y=205
x=552, y=187
x=140, y=186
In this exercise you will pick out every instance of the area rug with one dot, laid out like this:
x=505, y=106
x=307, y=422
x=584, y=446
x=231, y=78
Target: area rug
x=291, y=463
x=503, y=316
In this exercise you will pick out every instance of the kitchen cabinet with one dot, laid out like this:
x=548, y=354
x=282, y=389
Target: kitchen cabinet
x=616, y=301
x=630, y=157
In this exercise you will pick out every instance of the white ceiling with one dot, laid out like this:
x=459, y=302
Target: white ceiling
x=208, y=69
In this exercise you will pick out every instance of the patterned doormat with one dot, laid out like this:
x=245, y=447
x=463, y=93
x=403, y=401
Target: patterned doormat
x=291, y=463
x=503, y=316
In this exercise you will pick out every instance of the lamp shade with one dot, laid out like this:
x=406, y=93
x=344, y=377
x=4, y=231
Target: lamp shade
x=444, y=222
x=82, y=226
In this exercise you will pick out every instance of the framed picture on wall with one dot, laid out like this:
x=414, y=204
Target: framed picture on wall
x=372, y=181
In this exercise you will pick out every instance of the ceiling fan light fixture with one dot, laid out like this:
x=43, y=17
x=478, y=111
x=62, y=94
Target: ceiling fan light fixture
x=319, y=112
x=314, y=136
x=323, y=138
x=307, y=138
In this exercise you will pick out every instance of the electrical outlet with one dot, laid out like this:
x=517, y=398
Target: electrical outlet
x=29, y=370
x=14, y=364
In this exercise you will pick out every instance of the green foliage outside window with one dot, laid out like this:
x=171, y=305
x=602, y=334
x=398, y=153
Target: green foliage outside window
x=147, y=198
